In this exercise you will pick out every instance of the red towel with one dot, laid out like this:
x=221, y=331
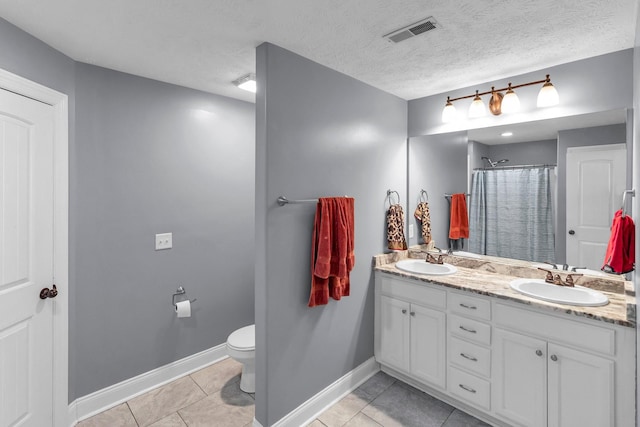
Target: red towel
x=621, y=252
x=332, y=251
x=459, y=223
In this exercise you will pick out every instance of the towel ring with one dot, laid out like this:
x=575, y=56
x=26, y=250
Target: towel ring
x=389, y=193
x=425, y=194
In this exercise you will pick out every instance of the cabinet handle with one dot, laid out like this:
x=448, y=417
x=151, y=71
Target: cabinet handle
x=413, y=313
x=473, y=359
x=470, y=307
x=472, y=331
x=464, y=387
x=404, y=311
x=554, y=357
x=539, y=352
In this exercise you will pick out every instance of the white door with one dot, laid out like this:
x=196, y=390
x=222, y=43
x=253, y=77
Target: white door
x=580, y=389
x=519, y=387
x=394, y=333
x=428, y=345
x=596, y=177
x=26, y=261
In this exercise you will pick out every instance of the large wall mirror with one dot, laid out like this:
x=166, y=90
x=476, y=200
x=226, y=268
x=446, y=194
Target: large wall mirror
x=543, y=191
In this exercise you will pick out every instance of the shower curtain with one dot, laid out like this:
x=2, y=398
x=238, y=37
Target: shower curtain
x=511, y=213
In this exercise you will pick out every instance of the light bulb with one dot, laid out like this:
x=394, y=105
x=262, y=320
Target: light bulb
x=510, y=102
x=449, y=113
x=477, y=107
x=548, y=95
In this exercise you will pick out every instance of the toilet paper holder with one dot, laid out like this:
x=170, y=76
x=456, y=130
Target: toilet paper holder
x=180, y=291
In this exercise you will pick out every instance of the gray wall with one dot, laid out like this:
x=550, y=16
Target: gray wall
x=437, y=164
x=155, y=158
x=319, y=133
x=525, y=153
x=595, y=84
x=599, y=135
x=28, y=57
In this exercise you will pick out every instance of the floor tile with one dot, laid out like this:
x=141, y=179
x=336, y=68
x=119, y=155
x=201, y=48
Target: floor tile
x=316, y=423
x=208, y=412
x=172, y=420
x=119, y=416
x=231, y=395
x=404, y=407
x=163, y=401
x=361, y=420
x=340, y=413
x=215, y=377
x=377, y=384
x=462, y=419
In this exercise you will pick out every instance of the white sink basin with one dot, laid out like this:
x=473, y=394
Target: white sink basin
x=538, y=288
x=420, y=266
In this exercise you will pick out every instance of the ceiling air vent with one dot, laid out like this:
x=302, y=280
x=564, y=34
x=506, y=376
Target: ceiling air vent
x=412, y=30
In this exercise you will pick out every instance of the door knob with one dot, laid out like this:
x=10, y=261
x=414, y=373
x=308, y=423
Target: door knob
x=572, y=232
x=49, y=293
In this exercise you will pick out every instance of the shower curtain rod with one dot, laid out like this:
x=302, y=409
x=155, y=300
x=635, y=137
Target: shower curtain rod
x=515, y=167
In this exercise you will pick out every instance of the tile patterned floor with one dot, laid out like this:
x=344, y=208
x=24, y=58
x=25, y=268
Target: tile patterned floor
x=212, y=397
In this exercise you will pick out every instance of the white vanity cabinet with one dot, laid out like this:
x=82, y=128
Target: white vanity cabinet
x=555, y=372
x=411, y=335
x=504, y=361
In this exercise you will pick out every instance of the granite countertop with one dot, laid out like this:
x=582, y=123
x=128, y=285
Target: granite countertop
x=491, y=276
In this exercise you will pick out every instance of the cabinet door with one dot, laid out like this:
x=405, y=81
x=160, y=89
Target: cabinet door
x=394, y=333
x=580, y=389
x=519, y=368
x=428, y=345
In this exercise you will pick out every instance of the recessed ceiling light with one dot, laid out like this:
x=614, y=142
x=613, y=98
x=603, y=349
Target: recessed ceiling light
x=247, y=82
x=506, y=133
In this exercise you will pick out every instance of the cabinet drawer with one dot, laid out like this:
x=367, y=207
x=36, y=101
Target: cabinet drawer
x=570, y=332
x=470, y=356
x=470, y=306
x=414, y=292
x=470, y=329
x=470, y=388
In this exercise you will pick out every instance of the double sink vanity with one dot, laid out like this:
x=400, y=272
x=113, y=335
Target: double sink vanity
x=490, y=337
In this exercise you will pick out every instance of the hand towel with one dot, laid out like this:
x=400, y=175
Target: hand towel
x=332, y=251
x=459, y=223
x=620, y=256
x=395, y=228
x=424, y=216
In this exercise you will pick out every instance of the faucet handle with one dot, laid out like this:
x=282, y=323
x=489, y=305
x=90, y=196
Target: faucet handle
x=570, y=279
x=549, y=277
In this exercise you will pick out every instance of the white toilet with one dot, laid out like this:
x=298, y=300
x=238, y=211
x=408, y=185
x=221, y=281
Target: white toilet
x=241, y=346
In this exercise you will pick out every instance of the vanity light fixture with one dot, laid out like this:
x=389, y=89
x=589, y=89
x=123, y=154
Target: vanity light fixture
x=499, y=103
x=247, y=82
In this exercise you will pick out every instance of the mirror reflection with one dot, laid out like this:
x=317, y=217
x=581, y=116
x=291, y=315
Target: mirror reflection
x=543, y=191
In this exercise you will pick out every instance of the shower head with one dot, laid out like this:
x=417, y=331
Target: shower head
x=494, y=164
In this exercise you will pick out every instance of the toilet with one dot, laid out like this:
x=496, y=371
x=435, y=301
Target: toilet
x=241, y=346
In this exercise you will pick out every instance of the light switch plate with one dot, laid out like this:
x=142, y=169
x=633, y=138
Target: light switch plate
x=164, y=241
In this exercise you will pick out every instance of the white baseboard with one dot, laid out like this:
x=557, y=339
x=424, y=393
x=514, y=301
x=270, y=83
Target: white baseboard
x=101, y=400
x=309, y=410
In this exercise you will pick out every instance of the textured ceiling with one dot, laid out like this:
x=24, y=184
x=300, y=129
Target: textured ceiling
x=206, y=44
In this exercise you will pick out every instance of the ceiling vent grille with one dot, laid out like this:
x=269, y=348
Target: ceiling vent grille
x=412, y=30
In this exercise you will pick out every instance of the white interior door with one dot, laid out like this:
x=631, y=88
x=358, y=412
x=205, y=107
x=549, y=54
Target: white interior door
x=26, y=261
x=596, y=177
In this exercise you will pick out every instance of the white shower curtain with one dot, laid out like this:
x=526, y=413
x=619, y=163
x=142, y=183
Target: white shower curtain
x=511, y=213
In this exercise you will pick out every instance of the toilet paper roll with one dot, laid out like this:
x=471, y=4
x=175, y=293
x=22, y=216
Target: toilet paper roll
x=183, y=308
